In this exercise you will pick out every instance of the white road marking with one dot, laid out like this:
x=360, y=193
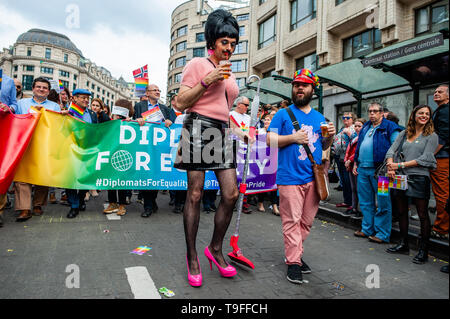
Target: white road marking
x=141, y=283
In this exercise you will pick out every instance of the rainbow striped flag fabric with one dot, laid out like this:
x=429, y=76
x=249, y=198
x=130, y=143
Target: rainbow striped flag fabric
x=61, y=85
x=140, y=86
x=76, y=111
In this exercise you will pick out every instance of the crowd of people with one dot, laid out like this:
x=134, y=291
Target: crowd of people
x=362, y=150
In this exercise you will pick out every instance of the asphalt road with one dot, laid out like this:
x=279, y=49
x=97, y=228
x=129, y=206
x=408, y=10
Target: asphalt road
x=90, y=257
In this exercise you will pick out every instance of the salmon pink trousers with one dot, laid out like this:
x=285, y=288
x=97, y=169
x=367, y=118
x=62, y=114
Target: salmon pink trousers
x=298, y=208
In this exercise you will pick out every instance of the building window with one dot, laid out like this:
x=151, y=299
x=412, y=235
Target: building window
x=432, y=18
x=29, y=68
x=267, y=32
x=181, y=46
x=242, y=30
x=66, y=58
x=93, y=86
x=338, y=2
x=64, y=73
x=48, y=53
x=182, y=31
x=199, y=52
x=307, y=62
x=75, y=77
x=243, y=17
x=200, y=37
x=239, y=66
x=27, y=82
x=268, y=74
x=178, y=77
x=241, y=48
x=302, y=11
x=241, y=82
x=362, y=44
x=180, y=62
x=46, y=70
x=28, y=51
x=16, y=68
x=169, y=82
x=262, y=1
x=74, y=87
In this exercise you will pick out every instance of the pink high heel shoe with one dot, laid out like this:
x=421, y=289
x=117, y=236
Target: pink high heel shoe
x=229, y=271
x=194, y=280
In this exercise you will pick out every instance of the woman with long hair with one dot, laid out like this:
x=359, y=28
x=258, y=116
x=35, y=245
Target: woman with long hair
x=207, y=93
x=412, y=154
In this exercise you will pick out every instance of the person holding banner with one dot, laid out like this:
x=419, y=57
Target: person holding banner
x=299, y=199
x=79, y=109
x=208, y=90
x=23, y=191
x=7, y=101
x=122, y=110
x=152, y=111
x=418, y=144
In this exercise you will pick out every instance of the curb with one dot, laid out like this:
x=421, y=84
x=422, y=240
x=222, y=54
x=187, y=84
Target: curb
x=438, y=248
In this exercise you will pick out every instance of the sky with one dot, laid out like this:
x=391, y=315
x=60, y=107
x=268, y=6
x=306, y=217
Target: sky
x=118, y=35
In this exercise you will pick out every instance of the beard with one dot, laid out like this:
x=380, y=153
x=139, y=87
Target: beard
x=299, y=102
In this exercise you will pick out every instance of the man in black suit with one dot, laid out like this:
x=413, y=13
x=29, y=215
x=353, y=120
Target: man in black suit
x=153, y=94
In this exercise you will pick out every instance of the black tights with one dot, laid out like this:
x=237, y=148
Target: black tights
x=222, y=219
x=400, y=201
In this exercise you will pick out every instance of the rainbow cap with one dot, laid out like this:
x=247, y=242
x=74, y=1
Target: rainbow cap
x=306, y=76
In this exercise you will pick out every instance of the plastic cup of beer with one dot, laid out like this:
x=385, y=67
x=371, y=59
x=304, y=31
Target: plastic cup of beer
x=226, y=65
x=324, y=128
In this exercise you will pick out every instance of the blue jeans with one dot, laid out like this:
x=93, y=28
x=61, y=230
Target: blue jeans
x=75, y=197
x=376, y=222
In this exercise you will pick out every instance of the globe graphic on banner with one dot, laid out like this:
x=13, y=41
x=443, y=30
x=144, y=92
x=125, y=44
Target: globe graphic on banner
x=122, y=161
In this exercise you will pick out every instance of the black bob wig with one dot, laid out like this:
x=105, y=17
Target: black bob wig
x=220, y=24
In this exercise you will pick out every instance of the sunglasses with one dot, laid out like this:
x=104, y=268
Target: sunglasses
x=346, y=117
x=247, y=105
x=18, y=87
x=374, y=111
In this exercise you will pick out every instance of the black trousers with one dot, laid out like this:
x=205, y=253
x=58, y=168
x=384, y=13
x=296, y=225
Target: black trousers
x=150, y=199
x=112, y=196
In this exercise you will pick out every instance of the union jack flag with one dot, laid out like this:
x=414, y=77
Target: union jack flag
x=141, y=72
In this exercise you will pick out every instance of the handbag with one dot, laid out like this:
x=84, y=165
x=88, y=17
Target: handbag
x=332, y=175
x=397, y=158
x=322, y=186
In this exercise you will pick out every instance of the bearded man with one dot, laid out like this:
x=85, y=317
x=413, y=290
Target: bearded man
x=299, y=200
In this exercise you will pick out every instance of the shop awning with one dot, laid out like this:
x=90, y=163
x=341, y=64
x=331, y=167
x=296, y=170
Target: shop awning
x=428, y=66
x=354, y=77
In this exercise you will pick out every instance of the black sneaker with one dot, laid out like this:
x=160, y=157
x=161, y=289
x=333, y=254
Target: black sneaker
x=294, y=274
x=305, y=268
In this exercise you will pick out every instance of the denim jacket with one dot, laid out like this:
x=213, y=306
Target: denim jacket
x=381, y=140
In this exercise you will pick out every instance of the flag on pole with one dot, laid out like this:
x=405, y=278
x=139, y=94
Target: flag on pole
x=140, y=86
x=61, y=86
x=141, y=72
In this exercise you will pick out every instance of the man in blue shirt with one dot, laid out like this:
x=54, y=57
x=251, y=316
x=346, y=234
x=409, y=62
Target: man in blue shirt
x=8, y=94
x=375, y=139
x=80, y=110
x=41, y=90
x=299, y=200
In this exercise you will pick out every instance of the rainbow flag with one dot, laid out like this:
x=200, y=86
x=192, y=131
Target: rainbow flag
x=141, y=84
x=383, y=186
x=76, y=111
x=61, y=85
